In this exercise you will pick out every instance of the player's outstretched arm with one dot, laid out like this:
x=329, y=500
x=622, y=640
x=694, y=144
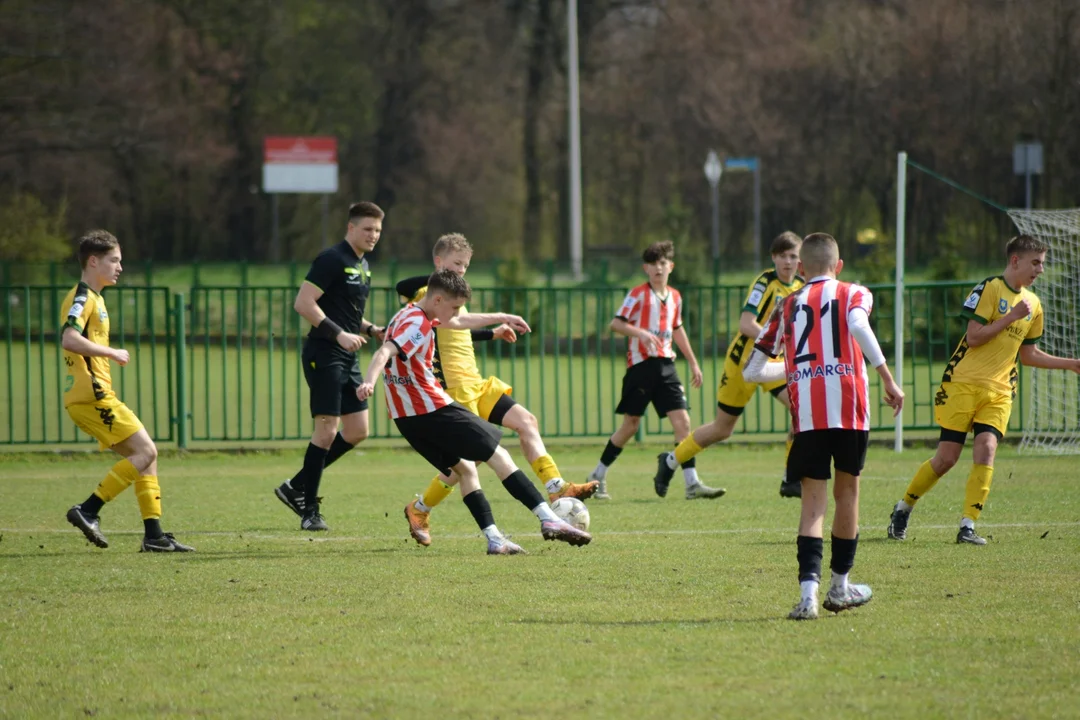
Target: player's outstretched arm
x=374, y=369
x=759, y=370
x=683, y=343
x=1032, y=356
x=622, y=327
x=74, y=341
x=859, y=324
x=473, y=321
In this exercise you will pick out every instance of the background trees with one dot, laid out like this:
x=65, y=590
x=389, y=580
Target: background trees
x=148, y=117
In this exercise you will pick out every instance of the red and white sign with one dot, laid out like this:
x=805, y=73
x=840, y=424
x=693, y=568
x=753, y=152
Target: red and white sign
x=300, y=165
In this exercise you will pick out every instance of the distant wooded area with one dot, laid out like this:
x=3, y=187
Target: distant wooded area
x=147, y=117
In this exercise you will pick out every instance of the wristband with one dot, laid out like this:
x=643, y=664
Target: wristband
x=327, y=329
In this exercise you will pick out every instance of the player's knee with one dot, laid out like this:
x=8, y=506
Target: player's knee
x=355, y=436
x=525, y=423
x=945, y=461
x=632, y=422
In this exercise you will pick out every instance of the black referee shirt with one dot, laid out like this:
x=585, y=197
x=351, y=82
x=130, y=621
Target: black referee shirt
x=345, y=281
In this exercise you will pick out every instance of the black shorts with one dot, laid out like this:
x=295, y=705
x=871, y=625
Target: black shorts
x=815, y=451
x=332, y=376
x=449, y=435
x=652, y=381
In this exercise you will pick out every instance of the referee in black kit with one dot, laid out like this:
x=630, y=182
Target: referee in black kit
x=332, y=298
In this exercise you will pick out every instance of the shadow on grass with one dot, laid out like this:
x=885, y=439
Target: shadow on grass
x=644, y=623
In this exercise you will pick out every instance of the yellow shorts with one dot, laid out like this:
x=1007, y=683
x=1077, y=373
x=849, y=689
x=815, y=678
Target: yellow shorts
x=734, y=393
x=480, y=398
x=109, y=421
x=959, y=407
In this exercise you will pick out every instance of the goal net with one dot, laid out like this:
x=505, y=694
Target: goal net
x=1053, y=421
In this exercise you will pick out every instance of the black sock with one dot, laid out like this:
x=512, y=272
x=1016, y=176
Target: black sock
x=338, y=448
x=843, y=554
x=810, y=552
x=314, y=461
x=522, y=490
x=152, y=528
x=92, y=505
x=480, y=509
x=691, y=463
x=610, y=454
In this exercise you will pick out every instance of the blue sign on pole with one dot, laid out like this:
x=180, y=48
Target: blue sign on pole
x=743, y=163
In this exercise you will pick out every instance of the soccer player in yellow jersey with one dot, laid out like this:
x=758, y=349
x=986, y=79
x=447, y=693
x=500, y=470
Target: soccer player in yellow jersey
x=455, y=367
x=92, y=404
x=1005, y=321
x=734, y=392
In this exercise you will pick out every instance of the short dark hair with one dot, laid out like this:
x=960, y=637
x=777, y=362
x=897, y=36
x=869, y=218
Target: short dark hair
x=1023, y=244
x=95, y=243
x=819, y=253
x=449, y=283
x=664, y=250
x=365, y=209
x=785, y=241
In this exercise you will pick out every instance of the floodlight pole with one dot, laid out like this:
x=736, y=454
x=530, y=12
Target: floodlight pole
x=898, y=320
x=713, y=170
x=575, y=140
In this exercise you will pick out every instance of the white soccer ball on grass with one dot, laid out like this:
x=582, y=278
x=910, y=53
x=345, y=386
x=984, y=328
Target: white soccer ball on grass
x=572, y=511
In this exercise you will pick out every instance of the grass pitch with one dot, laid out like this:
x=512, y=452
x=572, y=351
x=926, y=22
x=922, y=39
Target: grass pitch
x=676, y=609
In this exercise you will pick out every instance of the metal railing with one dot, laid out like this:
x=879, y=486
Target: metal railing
x=222, y=364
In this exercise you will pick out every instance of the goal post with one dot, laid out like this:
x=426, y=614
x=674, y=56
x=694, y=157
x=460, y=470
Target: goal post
x=1053, y=420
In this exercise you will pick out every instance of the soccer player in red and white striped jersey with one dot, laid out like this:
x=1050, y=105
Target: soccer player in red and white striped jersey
x=651, y=317
x=824, y=333
x=444, y=432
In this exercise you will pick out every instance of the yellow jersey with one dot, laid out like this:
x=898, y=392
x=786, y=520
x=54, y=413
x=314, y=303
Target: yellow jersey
x=454, y=363
x=993, y=365
x=761, y=298
x=88, y=378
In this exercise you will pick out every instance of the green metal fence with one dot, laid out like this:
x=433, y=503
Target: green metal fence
x=222, y=363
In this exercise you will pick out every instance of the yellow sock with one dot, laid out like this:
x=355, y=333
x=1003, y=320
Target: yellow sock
x=687, y=449
x=148, y=493
x=925, y=478
x=978, y=489
x=545, y=469
x=120, y=476
x=436, y=492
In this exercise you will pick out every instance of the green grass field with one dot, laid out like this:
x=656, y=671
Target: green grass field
x=676, y=609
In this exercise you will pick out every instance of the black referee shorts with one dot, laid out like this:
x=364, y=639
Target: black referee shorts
x=652, y=381
x=449, y=435
x=332, y=376
x=814, y=452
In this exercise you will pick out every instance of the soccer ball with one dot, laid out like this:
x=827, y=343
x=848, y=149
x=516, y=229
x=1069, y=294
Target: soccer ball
x=572, y=511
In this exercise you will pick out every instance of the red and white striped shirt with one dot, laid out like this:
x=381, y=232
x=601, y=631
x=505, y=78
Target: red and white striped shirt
x=826, y=374
x=662, y=317
x=411, y=387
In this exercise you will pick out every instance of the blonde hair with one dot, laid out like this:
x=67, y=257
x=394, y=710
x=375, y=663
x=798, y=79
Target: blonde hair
x=450, y=243
x=819, y=254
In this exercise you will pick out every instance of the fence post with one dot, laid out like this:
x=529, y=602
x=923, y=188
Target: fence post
x=148, y=272
x=181, y=373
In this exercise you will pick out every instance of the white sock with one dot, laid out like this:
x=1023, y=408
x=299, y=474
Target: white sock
x=967, y=523
x=839, y=582
x=809, y=589
x=492, y=533
x=554, y=485
x=544, y=512
x=419, y=505
x=671, y=461
x=903, y=506
x=690, y=473
x=600, y=472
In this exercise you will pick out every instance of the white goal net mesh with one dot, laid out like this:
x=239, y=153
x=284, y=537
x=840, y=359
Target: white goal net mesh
x=1053, y=396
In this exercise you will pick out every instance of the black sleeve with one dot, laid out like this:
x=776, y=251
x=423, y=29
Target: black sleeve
x=408, y=287
x=323, y=271
x=482, y=334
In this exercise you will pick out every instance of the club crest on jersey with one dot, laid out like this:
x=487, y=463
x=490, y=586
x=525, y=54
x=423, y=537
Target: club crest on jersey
x=102, y=315
x=1003, y=306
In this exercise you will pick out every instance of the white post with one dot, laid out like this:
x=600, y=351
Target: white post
x=757, y=215
x=898, y=331
x=575, y=141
